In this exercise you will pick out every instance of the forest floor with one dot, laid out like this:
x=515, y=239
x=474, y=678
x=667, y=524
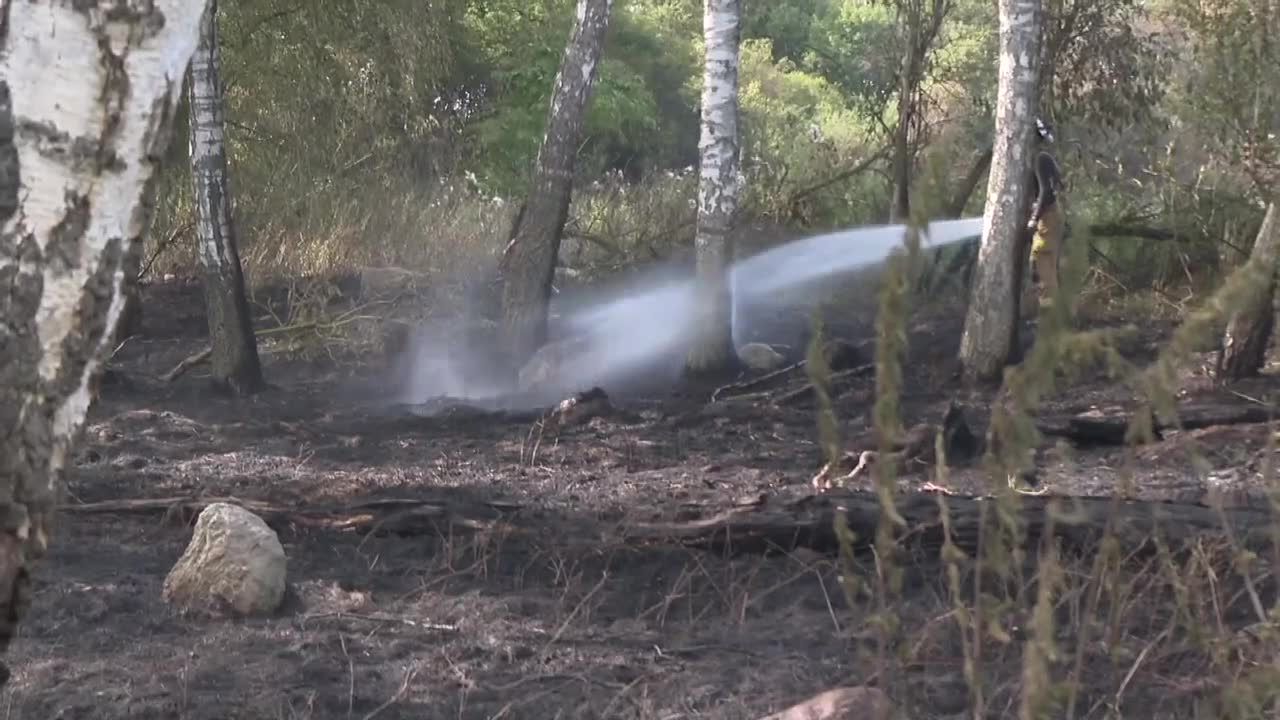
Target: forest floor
x=563, y=619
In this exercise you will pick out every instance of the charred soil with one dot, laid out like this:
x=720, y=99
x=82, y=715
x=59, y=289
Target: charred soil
x=518, y=596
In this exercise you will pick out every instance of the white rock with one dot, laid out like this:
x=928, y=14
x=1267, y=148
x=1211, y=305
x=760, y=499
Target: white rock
x=544, y=368
x=847, y=703
x=759, y=356
x=234, y=560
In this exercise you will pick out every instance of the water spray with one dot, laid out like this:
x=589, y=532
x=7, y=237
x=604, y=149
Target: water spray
x=640, y=332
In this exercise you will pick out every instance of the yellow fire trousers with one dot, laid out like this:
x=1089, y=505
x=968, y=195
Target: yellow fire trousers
x=1046, y=254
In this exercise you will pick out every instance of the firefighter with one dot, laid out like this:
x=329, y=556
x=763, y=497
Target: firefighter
x=1047, y=223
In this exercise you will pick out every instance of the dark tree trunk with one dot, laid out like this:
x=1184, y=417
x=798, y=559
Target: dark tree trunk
x=959, y=201
x=131, y=315
x=1248, y=333
x=528, y=263
x=86, y=91
x=991, y=322
x=234, y=362
x=920, y=27
x=901, y=209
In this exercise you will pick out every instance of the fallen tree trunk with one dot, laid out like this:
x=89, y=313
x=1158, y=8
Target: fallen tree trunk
x=1080, y=523
x=760, y=526
x=1111, y=426
x=406, y=516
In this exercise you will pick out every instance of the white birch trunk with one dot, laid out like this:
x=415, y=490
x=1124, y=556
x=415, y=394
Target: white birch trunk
x=234, y=360
x=87, y=96
x=990, y=324
x=718, y=188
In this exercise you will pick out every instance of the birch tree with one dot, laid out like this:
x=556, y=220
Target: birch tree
x=528, y=262
x=87, y=97
x=990, y=327
x=718, y=187
x=1248, y=332
x=234, y=360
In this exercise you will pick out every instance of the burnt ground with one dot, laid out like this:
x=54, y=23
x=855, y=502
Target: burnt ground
x=558, y=622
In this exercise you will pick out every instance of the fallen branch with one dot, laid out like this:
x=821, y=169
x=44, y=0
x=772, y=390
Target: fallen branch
x=756, y=381
x=395, y=515
x=1079, y=523
x=346, y=318
x=187, y=364
x=1111, y=426
x=761, y=526
x=806, y=391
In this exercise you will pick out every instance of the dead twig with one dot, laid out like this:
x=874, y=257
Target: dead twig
x=187, y=364
x=382, y=618
x=404, y=688
x=569, y=618
x=804, y=391
x=319, y=326
x=164, y=245
x=757, y=381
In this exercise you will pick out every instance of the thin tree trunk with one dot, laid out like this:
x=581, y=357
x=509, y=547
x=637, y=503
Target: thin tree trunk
x=86, y=107
x=920, y=26
x=234, y=361
x=528, y=264
x=718, y=188
x=959, y=201
x=131, y=314
x=901, y=208
x=1248, y=333
x=990, y=324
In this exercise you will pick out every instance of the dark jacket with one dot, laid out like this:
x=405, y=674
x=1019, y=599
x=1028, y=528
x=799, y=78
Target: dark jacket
x=1045, y=184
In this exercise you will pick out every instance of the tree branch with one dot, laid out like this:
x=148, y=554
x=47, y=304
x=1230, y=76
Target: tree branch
x=841, y=176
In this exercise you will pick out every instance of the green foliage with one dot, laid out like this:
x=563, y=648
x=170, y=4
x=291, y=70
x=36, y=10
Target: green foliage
x=338, y=110
x=1229, y=87
x=797, y=132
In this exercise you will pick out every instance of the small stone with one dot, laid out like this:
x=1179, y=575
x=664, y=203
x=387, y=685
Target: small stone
x=234, y=561
x=543, y=370
x=759, y=356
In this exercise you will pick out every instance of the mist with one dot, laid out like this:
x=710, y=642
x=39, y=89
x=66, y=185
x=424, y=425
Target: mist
x=633, y=335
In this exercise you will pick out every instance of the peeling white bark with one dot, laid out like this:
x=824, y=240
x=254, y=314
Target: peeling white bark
x=208, y=142
x=87, y=97
x=719, y=186
x=56, y=74
x=234, y=361
x=988, y=337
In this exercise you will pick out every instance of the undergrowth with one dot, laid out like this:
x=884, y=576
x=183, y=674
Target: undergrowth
x=1191, y=618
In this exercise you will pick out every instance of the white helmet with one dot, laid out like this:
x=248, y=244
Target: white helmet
x=1043, y=129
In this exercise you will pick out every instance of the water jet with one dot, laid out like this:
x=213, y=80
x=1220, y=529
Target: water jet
x=639, y=334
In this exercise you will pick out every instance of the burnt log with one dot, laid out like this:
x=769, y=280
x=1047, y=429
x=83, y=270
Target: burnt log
x=1110, y=426
x=1079, y=523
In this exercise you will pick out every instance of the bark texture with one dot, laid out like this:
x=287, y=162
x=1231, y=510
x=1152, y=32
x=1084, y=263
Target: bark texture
x=528, y=263
x=234, y=362
x=719, y=187
x=1248, y=333
x=990, y=323
x=87, y=94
